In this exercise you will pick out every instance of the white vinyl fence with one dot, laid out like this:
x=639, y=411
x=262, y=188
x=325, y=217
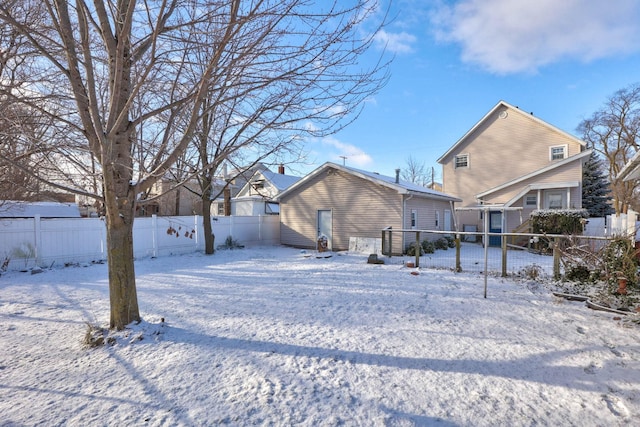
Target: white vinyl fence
x=25, y=243
x=624, y=224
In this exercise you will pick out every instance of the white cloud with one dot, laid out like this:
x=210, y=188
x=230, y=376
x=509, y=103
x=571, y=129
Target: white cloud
x=511, y=36
x=395, y=42
x=354, y=156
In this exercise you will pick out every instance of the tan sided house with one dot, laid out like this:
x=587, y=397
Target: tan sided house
x=509, y=164
x=340, y=202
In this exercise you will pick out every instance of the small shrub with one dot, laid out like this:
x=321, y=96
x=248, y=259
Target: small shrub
x=620, y=260
x=26, y=252
x=578, y=273
x=532, y=272
x=441, y=243
x=94, y=336
x=428, y=247
x=230, y=243
x=411, y=250
x=451, y=242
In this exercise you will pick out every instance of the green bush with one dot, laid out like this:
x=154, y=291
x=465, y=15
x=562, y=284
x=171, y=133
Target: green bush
x=428, y=247
x=411, y=250
x=578, y=273
x=441, y=243
x=451, y=242
x=620, y=260
x=558, y=221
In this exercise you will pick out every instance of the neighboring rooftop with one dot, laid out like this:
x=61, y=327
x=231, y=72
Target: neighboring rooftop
x=18, y=209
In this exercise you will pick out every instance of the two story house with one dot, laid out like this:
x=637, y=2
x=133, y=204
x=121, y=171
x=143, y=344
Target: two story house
x=509, y=164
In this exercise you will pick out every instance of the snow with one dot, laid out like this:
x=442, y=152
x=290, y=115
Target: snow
x=274, y=336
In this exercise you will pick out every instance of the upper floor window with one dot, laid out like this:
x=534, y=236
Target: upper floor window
x=558, y=152
x=461, y=161
x=531, y=201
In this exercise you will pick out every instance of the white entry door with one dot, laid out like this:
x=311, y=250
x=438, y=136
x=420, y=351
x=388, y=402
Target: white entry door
x=325, y=225
x=447, y=220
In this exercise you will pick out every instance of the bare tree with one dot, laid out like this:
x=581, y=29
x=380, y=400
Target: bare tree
x=20, y=127
x=273, y=94
x=614, y=133
x=121, y=75
x=418, y=173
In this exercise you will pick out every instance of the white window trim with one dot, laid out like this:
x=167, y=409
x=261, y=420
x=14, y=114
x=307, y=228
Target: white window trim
x=563, y=197
x=565, y=152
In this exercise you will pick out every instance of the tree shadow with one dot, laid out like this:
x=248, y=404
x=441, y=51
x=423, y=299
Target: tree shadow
x=540, y=368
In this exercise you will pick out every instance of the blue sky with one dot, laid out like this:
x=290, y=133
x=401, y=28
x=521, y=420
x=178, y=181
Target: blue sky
x=454, y=60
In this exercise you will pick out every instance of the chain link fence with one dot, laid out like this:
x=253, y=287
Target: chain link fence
x=520, y=254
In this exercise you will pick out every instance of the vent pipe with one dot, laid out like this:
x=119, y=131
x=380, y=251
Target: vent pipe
x=397, y=176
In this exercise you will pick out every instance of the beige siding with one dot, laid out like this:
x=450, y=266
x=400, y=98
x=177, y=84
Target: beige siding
x=500, y=150
x=359, y=208
x=571, y=172
x=427, y=210
x=180, y=201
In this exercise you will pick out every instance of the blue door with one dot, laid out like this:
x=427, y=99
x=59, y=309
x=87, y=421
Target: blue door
x=495, y=226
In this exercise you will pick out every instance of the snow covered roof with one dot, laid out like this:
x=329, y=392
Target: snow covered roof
x=631, y=170
x=280, y=181
x=17, y=209
x=403, y=187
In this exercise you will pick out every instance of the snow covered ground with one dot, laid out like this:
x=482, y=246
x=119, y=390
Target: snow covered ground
x=267, y=336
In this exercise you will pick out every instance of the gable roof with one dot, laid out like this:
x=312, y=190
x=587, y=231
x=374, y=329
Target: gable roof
x=580, y=156
x=631, y=170
x=279, y=180
x=402, y=187
x=516, y=110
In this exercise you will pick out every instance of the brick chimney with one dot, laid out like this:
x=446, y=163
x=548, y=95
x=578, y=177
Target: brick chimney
x=281, y=169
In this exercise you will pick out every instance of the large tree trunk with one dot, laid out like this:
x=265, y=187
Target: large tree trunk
x=122, y=278
x=119, y=188
x=120, y=205
x=209, y=237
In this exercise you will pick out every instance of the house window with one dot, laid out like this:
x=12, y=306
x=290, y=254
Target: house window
x=558, y=152
x=256, y=186
x=555, y=200
x=531, y=201
x=271, y=208
x=437, y=219
x=461, y=161
x=414, y=219
x=220, y=209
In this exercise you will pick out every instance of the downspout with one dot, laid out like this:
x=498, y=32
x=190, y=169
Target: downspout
x=539, y=199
